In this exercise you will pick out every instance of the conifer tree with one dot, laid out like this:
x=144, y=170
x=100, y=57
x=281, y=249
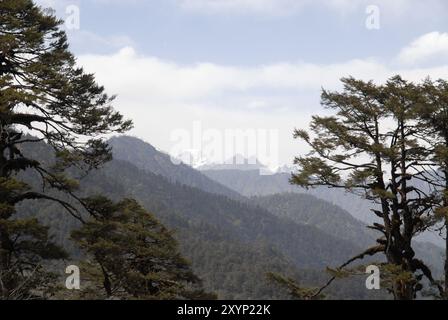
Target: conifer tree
x=27, y=243
x=433, y=115
x=44, y=96
x=371, y=146
x=133, y=256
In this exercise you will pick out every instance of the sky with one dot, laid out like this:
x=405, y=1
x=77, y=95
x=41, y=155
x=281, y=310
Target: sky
x=190, y=73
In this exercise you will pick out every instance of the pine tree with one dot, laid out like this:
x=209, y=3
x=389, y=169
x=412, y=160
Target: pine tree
x=23, y=247
x=433, y=114
x=44, y=94
x=133, y=256
x=372, y=147
x=296, y=291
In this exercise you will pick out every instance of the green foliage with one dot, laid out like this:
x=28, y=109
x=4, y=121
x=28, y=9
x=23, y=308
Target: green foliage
x=294, y=289
x=433, y=116
x=374, y=146
x=24, y=243
x=232, y=260
x=44, y=93
x=133, y=254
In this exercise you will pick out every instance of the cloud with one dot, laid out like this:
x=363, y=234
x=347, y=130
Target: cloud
x=59, y=6
x=82, y=40
x=138, y=75
x=433, y=45
x=290, y=7
x=168, y=80
x=243, y=6
x=162, y=96
x=397, y=8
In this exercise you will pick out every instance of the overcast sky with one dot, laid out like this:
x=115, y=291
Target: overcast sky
x=248, y=64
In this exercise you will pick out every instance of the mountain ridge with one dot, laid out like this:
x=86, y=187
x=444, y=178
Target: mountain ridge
x=148, y=158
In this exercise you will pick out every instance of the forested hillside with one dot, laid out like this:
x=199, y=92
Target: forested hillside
x=320, y=207
x=307, y=209
x=251, y=183
x=232, y=245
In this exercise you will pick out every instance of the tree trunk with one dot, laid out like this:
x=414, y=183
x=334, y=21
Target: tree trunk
x=446, y=259
x=445, y=205
x=106, y=282
x=4, y=238
x=403, y=291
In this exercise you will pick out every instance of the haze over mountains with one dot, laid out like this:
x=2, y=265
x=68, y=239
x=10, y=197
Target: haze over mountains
x=232, y=241
x=253, y=182
x=319, y=208
x=147, y=158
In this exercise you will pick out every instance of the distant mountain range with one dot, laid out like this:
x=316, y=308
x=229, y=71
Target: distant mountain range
x=308, y=210
x=330, y=207
x=241, y=219
x=251, y=183
x=237, y=162
x=232, y=240
x=147, y=158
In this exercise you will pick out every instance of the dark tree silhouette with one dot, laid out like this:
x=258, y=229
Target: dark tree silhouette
x=133, y=255
x=44, y=96
x=372, y=147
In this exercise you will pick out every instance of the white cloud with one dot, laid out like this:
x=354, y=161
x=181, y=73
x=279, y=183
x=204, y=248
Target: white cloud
x=162, y=96
x=429, y=46
x=396, y=8
x=168, y=80
x=137, y=75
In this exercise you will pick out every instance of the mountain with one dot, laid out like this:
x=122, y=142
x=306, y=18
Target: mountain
x=252, y=183
x=309, y=210
x=232, y=245
x=147, y=158
x=231, y=241
x=321, y=209
x=306, y=246
x=237, y=162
